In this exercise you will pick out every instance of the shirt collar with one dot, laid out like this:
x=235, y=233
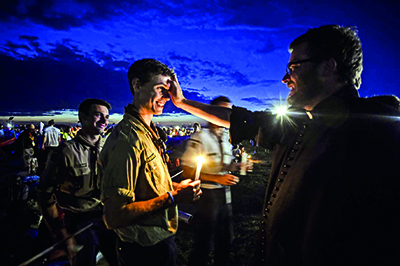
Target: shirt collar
x=86, y=143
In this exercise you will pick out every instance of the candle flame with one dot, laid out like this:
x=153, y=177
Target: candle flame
x=200, y=159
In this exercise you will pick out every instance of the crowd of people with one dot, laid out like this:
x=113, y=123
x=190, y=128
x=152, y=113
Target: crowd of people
x=27, y=141
x=332, y=196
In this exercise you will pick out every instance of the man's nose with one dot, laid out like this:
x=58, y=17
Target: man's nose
x=286, y=78
x=103, y=119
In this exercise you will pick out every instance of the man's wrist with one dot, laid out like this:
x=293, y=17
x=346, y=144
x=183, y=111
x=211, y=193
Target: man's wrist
x=171, y=197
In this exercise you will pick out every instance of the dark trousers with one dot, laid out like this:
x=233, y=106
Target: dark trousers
x=96, y=238
x=162, y=254
x=212, y=222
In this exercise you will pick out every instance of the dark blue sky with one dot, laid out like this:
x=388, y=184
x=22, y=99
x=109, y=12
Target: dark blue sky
x=56, y=54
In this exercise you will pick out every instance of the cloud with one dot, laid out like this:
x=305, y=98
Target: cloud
x=63, y=77
x=254, y=100
x=59, y=79
x=261, y=102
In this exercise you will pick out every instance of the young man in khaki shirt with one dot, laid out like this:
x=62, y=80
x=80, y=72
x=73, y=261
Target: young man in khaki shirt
x=138, y=194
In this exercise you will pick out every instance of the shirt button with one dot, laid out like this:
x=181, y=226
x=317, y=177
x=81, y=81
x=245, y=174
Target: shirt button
x=276, y=188
x=266, y=210
x=269, y=202
x=280, y=180
x=273, y=195
x=294, y=150
x=301, y=134
x=298, y=142
x=285, y=166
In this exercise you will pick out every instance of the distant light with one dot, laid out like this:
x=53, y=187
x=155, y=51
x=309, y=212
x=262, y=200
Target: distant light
x=280, y=110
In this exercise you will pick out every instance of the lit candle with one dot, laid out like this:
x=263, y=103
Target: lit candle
x=200, y=160
x=243, y=166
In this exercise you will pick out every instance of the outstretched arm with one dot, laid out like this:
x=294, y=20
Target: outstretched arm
x=215, y=114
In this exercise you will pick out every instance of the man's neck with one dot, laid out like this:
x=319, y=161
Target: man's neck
x=144, y=113
x=90, y=137
x=146, y=117
x=330, y=89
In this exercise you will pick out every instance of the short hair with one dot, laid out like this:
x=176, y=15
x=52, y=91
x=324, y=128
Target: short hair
x=339, y=43
x=51, y=122
x=143, y=70
x=28, y=126
x=84, y=107
x=220, y=99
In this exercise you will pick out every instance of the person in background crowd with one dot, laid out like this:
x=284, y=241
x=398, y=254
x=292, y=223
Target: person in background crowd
x=2, y=135
x=67, y=135
x=69, y=190
x=27, y=143
x=213, y=216
x=51, y=139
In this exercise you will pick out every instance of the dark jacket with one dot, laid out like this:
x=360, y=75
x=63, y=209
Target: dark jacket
x=334, y=194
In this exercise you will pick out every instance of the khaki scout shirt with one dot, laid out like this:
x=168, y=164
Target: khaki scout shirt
x=217, y=153
x=71, y=175
x=133, y=168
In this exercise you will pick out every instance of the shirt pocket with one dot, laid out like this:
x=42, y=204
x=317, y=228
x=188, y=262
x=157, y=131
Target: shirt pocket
x=79, y=177
x=151, y=165
x=153, y=173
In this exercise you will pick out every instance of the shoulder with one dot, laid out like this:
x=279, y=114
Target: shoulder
x=377, y=106
x=125, y=134
x=68, y=146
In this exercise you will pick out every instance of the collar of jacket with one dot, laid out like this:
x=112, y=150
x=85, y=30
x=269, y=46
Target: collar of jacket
x=335, y=109
x=152, y=130
x=86, y=143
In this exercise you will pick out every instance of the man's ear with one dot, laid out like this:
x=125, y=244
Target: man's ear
x=330, y=66
x=135, y=84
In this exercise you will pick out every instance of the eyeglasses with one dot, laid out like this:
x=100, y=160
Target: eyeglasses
x=289, y=71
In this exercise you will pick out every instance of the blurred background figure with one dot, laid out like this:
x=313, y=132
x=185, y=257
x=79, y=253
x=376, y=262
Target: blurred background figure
x=67, y=135
x=27, y=144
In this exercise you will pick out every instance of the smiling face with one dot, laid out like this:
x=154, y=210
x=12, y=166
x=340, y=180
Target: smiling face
x=150, y=97
x=96, y=121
x=304, y=80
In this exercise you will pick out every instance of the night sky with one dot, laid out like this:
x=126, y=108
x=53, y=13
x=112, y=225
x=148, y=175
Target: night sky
x=56, y=53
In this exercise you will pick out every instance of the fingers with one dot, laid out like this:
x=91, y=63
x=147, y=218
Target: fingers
x=195, y=183
x=189, y=182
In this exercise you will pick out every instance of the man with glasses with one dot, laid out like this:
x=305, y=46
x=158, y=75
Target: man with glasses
x=333, y=196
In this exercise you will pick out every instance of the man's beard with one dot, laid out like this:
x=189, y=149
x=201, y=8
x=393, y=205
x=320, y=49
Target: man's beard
x=306, y=92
